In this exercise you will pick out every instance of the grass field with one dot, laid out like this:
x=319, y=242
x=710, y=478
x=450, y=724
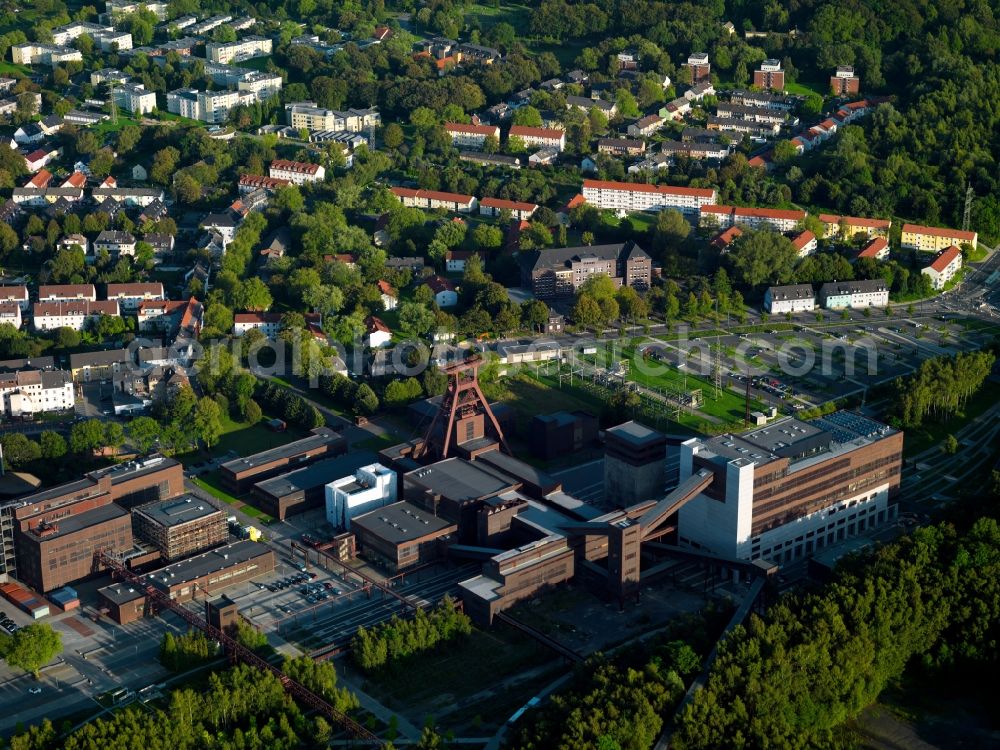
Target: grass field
x=107, y=126
x=528, y=397
x=212, y=484
x=9, y=67
x=254, y=63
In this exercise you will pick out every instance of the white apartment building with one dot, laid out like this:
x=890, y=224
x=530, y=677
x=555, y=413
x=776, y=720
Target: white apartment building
x=49, y=316
x=74, y=240
x=944, y=267
x=792, y=298
x=10, y=312
x=130, y=296
x=122, y=7
x=260, y=84
x=27, y=392
x=776, y=219
x=804, y=243
x=244, y=49
x=133, y=97
x=838, y=295
x=309, y=116
x=369, y=488
x=296, y=172
x=267, y=323
x=115, y=243
x=128, y=196
x=18, y=294
x=207, y=106
x=66, y=292
x=625, y=197
x=470, y=136
x=518, y=209
x=43, y=54
x=430, y=199
x=539, y=137
x=105, y=37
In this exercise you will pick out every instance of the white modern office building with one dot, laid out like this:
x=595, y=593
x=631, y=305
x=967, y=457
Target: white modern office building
x=368, y=489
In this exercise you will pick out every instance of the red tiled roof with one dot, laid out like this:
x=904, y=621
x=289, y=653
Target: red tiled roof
x=376, y=324
x=41, y=179
x=945, y=257
x=939, y=232
x=640, y=187
x=757, y=161
x=509, y=205
x=300, y=167
x=401, y=192
x=137, y=288
x=576, y=200
x=856, y=221
x=458, y=255
x=803, y=239
x=386, y=288
x=461, y=127
x=77, y=180
x=262, y=181
x=518, y=131
x=873, y=248
x=66, y=290
x=38, y=153
x=439, y=284
x=14, y=292
x=722, y=239
x=75, y=307
x=763, y=213
x=257, y=317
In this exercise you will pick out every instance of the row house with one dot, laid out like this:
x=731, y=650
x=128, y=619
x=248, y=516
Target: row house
x=550, y=138
x=34, y=197
x=621, y=146
x=753, y=114
x=775, y=219
x=16, y=294
x=585, y=104
x=675, y=110
x=646, y=126
x=743, y=127
x=695, y=150
x=102, y=365
x=699, y=91
x=470, y=136
x=66, y=292
x=430, y=199
x=29, y=392
x=131, y=296
x=840, y=295
x=848, y=227
x=48, y=316
x=248, y=183
x=10, y=312
x=140, y=197
x=634, y=196
x=296, y=172
x=518, y=209
x=935, y=239
x=943, y=268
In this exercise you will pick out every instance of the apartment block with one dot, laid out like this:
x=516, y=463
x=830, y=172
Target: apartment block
x=844, y=82
x=769, y=76
x=245, y=49
x=775, y=219
x=635, y=196
x=935, y=239
x=943, y=268
x=470, y=136
x=430, y=199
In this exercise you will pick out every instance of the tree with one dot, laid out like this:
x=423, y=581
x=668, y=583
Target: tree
x=392, y=136
x=762, y=257
x=19, y=449
x=143, y=432
x=534, y=314
x=31, y=647
x=366, y=402
x=598, y=286
x=208, y=421
x=253, y=295
x=528, y=116
x=53, y=445
x=415, y=319
x=586, y=311
x=950, y=445
x=487, y=237
x=86, y=436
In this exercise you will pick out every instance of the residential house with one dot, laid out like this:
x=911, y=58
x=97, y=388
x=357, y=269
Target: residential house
x=839, y=295
x=29, y=392
x=769, y=76
x=844, y=82
x=943, y=268
x=646, y=126
x=49, y=316
x=431, y=199
x=66, y=292
x=725, y=238
x=10, y=312
x=445, y=294
x=115, y=243
x=104, y=365
x=935, y=239
x=792, y=298
x=804, y=243
x=621, y=146
x=548, y=138
x=377, y=333
x=388, y=295
x=877, y=249
x=496, y=206
x=130, y=296
x=470, y=136
x=455, y=260
x=17, y=294
x=775, y=219
x=296, y=172
x=608, y=109
x=267, y=323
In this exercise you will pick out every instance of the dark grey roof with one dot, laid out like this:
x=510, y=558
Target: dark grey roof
x=635, y=433
x=96, y=359
x=852, y=287
x=72, y=524
x=178, y=510
x=314, y=475
x=792, y=291
x=208, y=562
x=400, y=522
x=459, y=480
x=562, y=256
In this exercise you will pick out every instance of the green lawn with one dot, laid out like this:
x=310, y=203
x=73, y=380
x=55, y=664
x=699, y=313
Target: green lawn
x=516, y=15
x=805, y=88
x=107, y=126
x=254, y=63
x=212, y=484
x=528, y=397
x=9, y=67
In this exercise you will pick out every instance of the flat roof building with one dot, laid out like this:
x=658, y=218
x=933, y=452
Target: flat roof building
x=240, y=474
x=180, y=526
x=303, y=489
x=634, y=464
x=402, y=535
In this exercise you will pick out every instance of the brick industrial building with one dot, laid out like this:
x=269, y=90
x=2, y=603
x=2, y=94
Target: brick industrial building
x=55, y=531
x=202, y=577
x=180, y=526
x=304, y=489
x=240, y=474
x=402, y=535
